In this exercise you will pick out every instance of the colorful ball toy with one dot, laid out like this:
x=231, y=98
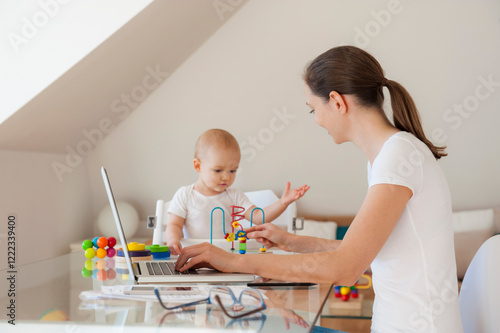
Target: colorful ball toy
x=100, y=247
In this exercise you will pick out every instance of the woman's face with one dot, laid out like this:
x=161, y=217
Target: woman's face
x=326, y=114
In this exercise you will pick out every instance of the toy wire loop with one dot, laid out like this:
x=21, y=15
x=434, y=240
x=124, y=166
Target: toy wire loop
x=212, y=222
x=251, y=215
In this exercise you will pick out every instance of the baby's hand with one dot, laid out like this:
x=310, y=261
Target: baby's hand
x=175, y=247
x=290, y=196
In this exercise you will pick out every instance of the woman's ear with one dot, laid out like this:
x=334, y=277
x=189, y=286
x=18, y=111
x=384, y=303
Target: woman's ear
x=197, y=164
x=338, y=102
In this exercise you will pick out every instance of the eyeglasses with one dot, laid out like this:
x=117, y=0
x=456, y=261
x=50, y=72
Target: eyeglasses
x=249, y=299
x=216, y=319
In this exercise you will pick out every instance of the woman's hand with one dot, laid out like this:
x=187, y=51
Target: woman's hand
x=290, y=196
x=204, y=255
x=270, y=235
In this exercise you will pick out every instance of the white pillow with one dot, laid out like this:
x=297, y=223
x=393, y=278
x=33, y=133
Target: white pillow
x=470, y=220
x=472, y=228
x=314, y=228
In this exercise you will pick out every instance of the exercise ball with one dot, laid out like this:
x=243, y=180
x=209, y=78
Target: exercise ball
x=128, y=215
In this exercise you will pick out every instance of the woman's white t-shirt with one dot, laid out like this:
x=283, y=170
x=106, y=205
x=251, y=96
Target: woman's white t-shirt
x=414, y=274
x=196, y=209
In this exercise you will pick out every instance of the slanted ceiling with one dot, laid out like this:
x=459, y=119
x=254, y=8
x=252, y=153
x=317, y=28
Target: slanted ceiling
x=132, y=61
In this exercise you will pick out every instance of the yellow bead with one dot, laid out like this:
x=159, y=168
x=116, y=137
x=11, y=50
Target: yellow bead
x=345, y=290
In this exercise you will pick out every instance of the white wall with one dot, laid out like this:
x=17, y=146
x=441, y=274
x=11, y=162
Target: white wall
x=42, y=39
x=251, y=68
x=49, y=214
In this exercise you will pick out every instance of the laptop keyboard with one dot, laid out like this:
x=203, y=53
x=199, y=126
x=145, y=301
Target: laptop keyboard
x=166, y=268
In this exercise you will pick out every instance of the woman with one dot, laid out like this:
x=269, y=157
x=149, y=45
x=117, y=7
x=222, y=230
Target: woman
x=404, y=227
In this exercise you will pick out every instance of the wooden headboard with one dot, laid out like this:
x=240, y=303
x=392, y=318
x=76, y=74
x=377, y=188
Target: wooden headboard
x=342, y=220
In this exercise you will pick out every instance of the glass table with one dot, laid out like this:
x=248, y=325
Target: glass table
x=47, y=296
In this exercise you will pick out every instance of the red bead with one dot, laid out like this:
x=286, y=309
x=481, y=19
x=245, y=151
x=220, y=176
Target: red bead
x=111, y=242
x=345, y=297
x=110, y=252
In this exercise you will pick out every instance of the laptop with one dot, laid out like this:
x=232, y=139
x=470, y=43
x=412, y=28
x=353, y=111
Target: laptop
x=162, y=271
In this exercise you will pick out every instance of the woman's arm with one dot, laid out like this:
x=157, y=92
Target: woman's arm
x=270, y=236
x=372, y=226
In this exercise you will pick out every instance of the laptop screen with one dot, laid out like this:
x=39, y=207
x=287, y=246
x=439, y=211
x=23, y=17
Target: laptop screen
x=118, y=222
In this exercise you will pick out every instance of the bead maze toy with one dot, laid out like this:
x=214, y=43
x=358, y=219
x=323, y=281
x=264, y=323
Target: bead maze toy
x=240, y=235
x=347, y=298
x=344, y=292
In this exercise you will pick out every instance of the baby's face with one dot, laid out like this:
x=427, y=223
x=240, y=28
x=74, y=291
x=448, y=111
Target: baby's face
x=218, y=169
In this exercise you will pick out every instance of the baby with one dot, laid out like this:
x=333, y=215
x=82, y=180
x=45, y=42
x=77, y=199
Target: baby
x=216, y=159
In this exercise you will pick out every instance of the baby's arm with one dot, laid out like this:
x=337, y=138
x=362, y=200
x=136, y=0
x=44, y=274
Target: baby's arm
x=174, y=233
x=276, y=209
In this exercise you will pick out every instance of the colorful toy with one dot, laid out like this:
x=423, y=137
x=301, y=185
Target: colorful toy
x=263, y=248
x=240, y=235
x=134, y=246
x=54, y=315
x=344, y=292
x=159, y=251
x=100, y=244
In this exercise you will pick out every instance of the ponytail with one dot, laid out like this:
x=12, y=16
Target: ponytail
x=350, y=70
x=406, y=117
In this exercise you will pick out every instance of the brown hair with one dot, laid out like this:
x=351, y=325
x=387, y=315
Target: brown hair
x=212, y=137
x=350, y=70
